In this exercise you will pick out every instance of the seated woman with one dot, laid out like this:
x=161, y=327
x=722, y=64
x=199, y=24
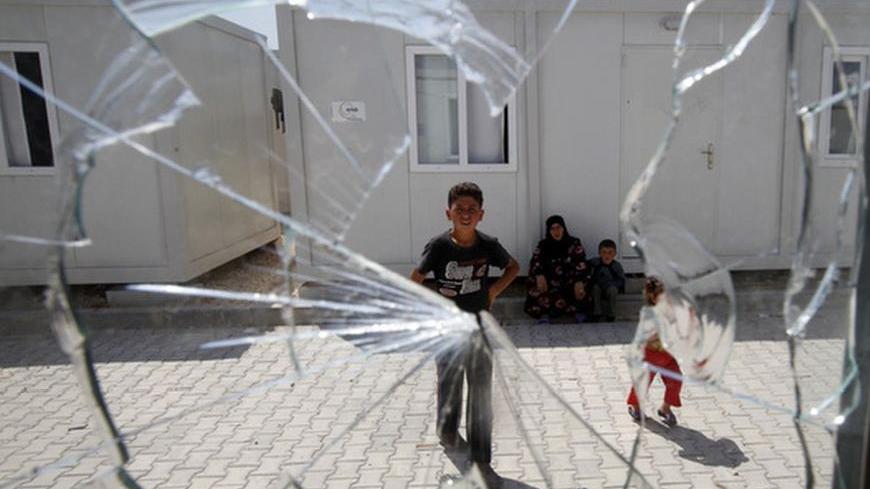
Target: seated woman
x=557, y=275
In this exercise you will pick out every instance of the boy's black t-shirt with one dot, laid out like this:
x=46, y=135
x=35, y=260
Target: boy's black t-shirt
x=462, y=273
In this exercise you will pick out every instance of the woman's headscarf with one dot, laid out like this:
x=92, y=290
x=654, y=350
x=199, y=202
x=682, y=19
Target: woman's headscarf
x=552, y=247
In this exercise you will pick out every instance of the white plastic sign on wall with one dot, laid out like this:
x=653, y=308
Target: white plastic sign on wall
x=348, y=111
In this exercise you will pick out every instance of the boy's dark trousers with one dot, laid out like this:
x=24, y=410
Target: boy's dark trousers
x=475, y=361
x=604, y=300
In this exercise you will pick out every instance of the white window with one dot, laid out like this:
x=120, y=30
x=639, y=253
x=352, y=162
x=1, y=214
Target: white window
x=28, y=125
x=451, y=127
x=836, y=137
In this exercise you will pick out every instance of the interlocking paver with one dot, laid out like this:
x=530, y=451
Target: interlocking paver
x=250, y=441
x=236, y=475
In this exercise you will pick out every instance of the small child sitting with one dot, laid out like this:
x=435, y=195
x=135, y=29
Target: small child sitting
x=654, y=354
x=607, y=280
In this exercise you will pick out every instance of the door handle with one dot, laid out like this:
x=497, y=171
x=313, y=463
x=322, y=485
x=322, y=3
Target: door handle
x=709, y=154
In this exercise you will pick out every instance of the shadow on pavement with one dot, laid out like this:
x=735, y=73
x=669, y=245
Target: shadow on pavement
x=165, y=344
x=514, y=484
x=459, y=456
x=826, y=325
x=697, y=447
x=125, y=345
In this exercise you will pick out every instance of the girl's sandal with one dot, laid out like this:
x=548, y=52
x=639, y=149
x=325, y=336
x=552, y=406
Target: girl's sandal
x=667, y=418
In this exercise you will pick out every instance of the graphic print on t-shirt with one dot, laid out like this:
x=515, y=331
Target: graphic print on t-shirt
x=462, y=278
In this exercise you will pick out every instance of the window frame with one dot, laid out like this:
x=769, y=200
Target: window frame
x=463, y=166
x=51, y=111
x=858, y=54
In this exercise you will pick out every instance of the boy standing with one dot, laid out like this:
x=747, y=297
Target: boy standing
x=460, y=259
x=608, y=280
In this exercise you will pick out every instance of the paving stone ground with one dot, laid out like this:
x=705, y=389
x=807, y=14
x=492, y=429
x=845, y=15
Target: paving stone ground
x=185, y=427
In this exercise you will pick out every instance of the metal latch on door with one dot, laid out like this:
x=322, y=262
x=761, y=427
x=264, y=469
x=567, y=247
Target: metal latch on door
x=709, y=154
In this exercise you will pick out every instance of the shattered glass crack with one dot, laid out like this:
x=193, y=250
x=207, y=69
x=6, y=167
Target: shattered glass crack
x=347, y=376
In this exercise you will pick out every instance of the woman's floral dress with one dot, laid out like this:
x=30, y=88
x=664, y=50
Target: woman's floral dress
x=562, y=271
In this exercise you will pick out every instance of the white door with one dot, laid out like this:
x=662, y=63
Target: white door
x=685, y=188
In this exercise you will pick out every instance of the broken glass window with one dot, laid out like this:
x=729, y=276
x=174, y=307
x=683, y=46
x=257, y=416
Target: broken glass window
x=343, y=392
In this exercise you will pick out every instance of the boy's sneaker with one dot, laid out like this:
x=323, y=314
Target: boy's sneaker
x=668, y=419
x=579, y=317
x=543, y=320
x=634, y=412
x=611, y=319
